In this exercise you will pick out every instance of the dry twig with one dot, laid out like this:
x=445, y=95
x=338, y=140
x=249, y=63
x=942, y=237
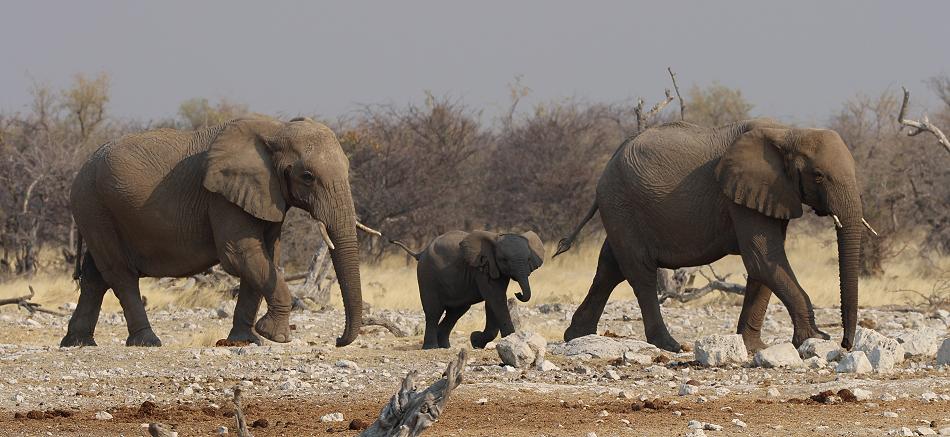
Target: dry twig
x=679, y=96
x=411, y=412
x=920, y=126
x=682, y=292
x=242, y=430
x=31, y=307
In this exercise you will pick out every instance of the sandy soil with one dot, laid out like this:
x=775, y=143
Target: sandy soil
x=187, y=384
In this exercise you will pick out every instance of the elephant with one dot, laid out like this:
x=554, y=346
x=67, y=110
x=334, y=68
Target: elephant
x=459, y=269
x=170, y=203
x=681, y=195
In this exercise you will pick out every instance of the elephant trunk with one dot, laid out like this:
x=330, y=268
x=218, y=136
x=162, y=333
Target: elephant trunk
x=525, y=294
x=340, y=218
x=850, y=230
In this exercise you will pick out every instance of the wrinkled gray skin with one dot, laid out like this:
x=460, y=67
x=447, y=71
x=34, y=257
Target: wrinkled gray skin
x=459, y=269
x=169, y=203
x=681, y=195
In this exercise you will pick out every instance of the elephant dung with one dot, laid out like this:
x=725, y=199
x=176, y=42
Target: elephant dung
x=824, y=349
x=866, y=340
x=780, y=355
x=943, y=355
x=716, y=350
x=854, y=362
x=919, y=343
x=522, y=349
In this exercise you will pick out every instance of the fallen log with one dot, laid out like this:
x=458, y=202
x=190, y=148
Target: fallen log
x=31, y=307
x=411, y=412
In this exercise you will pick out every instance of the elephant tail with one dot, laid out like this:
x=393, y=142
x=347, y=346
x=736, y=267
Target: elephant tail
x=78, y=271
x=415, y=255
x=565, y=244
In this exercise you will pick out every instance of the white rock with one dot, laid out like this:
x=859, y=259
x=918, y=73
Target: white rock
x=866, y=340
x=716, y=350
x=921, y=343
x=738, y=423
x=882, y=359
x=18, y=397
x=780, y=355
x=854, y=362
x=890, y=414
x=694, y=424
x=773, y=392
x=595, y=346
x=612, y=374
x=522, y=349
x=548, y=366
x=68, y=306
x=943, y=354
x=861, y=394
x=688, y=389
x=816, y=347
x=712, y=427
x=635, y=358
x=815, y=363
x=222, y=430
x=482, y=401
x=103, y=415
x=603, y=413
x=945, y=431
x=902, y=431
x=491, y=345
x=924, y=430
x=332, y=417
x=347, y=364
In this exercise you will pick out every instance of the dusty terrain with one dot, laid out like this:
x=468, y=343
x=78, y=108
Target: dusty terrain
x=187, y=384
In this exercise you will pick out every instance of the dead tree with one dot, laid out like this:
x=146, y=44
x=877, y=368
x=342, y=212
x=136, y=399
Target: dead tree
x=411, y=412
x=678, y=285
x=318, y=279
x=920, y=126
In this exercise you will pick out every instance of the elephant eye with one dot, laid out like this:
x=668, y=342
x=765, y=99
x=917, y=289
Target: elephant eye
x=819, y=178
x=308, y=177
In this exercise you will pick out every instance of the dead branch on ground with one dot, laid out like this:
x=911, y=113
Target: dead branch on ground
x=31, y=307
x=411, y=412
x=242, y=430
x=680, y=288
x=920, y=126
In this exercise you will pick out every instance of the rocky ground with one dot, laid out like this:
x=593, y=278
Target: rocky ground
x=613, y=385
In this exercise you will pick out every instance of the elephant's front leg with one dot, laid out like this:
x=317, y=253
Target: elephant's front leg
x=245, y=312
x=493, y=291
x=481, y=338
x=762, y=246
x=754, y=306
x=258, y=273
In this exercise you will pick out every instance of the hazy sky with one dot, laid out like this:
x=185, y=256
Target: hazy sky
x=794, y=60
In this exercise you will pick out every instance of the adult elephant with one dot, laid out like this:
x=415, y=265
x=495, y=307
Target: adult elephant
x=681, y=195
x=174, y=203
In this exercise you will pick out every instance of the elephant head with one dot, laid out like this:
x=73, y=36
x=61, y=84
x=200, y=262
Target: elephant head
x=510, y=255
x=774, y=170
x=266, y=166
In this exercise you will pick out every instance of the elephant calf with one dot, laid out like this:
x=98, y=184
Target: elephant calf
x=459, y=269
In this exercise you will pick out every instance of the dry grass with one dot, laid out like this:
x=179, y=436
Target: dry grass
x=391, y=283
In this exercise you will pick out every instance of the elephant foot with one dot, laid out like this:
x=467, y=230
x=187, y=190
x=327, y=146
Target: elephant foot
x=145, y=338
x=74, y=340
x=799, y=337
x=753, y=343
x=479, y=340
x=272, y=329
x=430, y=346
x=573, y=332
x=242, y=337
x=665, y=342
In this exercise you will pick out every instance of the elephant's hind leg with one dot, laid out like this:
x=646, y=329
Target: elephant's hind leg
x=126, y=288
x=584, y=321
x=448, y=322
x=642, y=278
x=755, y=303
x=82, y=324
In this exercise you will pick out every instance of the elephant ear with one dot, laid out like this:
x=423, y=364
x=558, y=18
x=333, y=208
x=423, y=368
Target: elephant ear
x=478, y=249
x=537, y=247
x=753, y=173
x=240, y=168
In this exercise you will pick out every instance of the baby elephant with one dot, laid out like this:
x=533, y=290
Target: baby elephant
x=459, y=269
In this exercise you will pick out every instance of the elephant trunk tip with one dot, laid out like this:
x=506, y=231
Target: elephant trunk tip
x=347, y=338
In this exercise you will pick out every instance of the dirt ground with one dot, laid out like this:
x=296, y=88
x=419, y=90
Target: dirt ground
x=187, y=384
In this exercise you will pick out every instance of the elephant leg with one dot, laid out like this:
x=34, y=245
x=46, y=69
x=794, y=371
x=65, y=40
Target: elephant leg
x=448, y=322
x=245, y=312
x=126, y=288
x=430, y=340
x=584, y=321
x=642, y=278
x=493, y=291
x=481, y=338
x=754, y=306
x=762, y=247
x=82, y=324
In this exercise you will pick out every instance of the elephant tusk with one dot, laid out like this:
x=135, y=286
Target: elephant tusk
x=368, y=229
x=868, y=225
x=325, y=235
x=837, y=222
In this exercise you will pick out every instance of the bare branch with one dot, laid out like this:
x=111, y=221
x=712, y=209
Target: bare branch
x=242, y=430
x=679, y=96
x=31, y=307
x=410, y=412
x=920, y=126
x=678, y=288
